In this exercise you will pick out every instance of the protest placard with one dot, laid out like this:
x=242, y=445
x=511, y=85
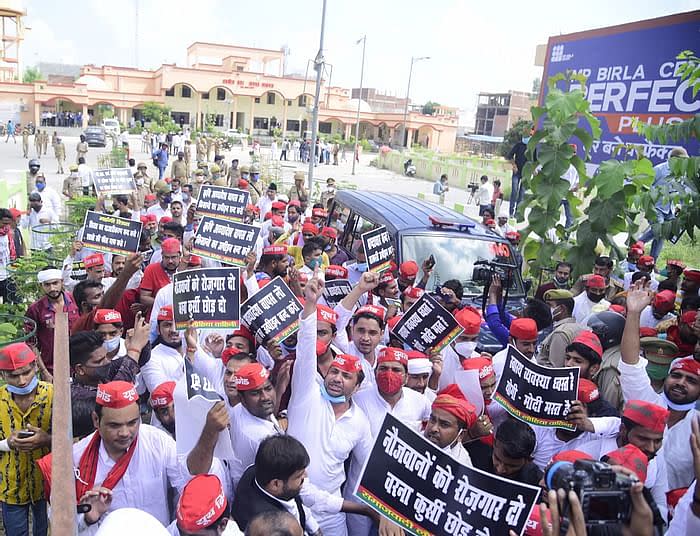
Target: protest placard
x=77, y=271
x=114, y=181
x=272, y=314
x=427, y=324
x=379, y=249
x=111, y=234
x=222, y=202
x=224, y=240
x=335, y=290
x=418, y=486
x=209, y=296
x=534, y=394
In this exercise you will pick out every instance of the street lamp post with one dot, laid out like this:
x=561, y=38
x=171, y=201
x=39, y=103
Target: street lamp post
x=318, y=66
x=359, y=102
x=408, y=92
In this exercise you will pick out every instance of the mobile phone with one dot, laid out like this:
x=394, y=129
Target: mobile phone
x=25, y=434
x=431, y=261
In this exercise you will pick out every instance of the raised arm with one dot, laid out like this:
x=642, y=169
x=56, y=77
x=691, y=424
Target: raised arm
x=638, y=297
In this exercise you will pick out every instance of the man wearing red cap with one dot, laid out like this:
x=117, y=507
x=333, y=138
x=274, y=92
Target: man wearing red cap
x=681, y=390
x=523, y=336
x=274, y=262
x=408, y=271
x=659, y=310
x=603, y=266
x=335, y=255
x=690, y=285
x=322, y=415
x=592, y=300
x=161, y=400
x=634, y=252
x=463, y=347
x=124, y=463
x=203, y=510
x=645, y=265
x=157, y=275
x=586, y=353
x=451, y=415
x=387, y=291
x=25, y=422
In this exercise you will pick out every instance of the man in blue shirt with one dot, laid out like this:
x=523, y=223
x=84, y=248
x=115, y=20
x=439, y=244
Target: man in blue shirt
x=440, y=188
x=160, y=158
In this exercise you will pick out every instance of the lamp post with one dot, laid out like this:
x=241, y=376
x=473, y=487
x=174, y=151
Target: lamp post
x=359, y=101
x=408, y=92
x=319, y=62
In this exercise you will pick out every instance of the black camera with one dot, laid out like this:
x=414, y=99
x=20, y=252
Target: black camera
x=473, y=187
x=604, y=494
x=484, y=270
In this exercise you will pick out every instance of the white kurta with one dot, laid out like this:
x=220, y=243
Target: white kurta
x=583, y=307
x=684, y=520
x=166, y=364
x=153, y=467
x=312, y=421
x=648, y=320
x=247, y=431
x=412, y=409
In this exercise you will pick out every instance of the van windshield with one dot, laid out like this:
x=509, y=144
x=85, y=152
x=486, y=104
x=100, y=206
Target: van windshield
x=454, y=259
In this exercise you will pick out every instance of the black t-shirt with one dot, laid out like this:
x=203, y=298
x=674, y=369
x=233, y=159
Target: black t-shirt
x=517, y=153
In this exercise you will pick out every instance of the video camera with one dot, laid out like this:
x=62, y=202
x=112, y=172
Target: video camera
x=604, y=493
x=473, y=187
x=484, y=270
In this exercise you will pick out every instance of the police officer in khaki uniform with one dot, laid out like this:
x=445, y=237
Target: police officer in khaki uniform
x=188, y=155
x=72, y=184
x=37, y=142
x=178, y=170
x=199, y=179
x=44, y=142
x=215, y=171
x=34, y=166
x=25, y=142
x=659, y=354
x=201, y=150
x=210, y=147
x=81, y=149
x=59, y=150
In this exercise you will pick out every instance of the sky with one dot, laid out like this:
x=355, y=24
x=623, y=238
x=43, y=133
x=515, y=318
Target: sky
x=473, y=45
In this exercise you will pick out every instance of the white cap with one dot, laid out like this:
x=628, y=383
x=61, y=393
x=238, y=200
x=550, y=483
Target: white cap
x=131, y=521
x=419, y=365
x=49, y=275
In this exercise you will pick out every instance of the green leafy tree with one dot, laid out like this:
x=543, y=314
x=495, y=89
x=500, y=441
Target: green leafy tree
x=156, y=113
x=430, y=107
x=513, y=135
x=31, y=74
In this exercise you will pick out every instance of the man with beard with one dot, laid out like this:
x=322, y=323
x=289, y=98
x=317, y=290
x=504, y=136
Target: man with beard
x=450, y=418
x=43, y=311
x=594, y=297
x=161, y=401
x=274, y=262
x=157, y=275
x=560, y=281
x=523, y=337
x=681, y=391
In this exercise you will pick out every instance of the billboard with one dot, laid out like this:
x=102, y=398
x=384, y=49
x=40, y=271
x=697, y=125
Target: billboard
x=631, y=72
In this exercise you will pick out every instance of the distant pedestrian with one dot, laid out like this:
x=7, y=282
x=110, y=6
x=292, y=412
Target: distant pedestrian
x=485, y=194
x=11, y=131
x=440, y=188
x=59, y=150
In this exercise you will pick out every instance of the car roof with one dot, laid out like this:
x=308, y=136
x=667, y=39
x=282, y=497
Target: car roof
x=401, y=212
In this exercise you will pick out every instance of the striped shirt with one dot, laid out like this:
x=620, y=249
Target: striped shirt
x=20, y=479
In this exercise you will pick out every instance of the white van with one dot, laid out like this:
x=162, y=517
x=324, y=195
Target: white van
x=111, y=126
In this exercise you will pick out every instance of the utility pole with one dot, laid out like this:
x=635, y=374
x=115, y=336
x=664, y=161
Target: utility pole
x=359, y=102
x=405, y=108
x=318, y=66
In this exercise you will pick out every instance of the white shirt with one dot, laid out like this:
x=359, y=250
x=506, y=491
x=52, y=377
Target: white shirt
x=166, y=364
x=412, y=409
x=32, y=219
x=153, y=467
x=163, y=297
x=158, y=211
x=247, y=431
x=85, y=173
x=451, y=364
x=459, y=453
x=265, y=205
x=627, y=280
x=485, y=194
x=583, y=307
x=51, y=198
x=684, y=521
x=571, y=176
x=648, y=320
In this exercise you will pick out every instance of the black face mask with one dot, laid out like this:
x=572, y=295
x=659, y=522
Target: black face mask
x=595, y=298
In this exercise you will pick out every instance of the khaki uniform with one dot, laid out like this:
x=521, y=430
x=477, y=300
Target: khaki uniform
x=178, y=169
x=140, y=195
x=148, y=182
x=188, y=157
x=201, y=150
x=72, y=185
x=44, y=142
x=59, y=149
x=218, y=145
x=232, y=176
x=37, y=143
x=256, y=190
x=31, y=181
x=25, y=143
x=210, y=148
x=54, y=139
x=298, y=194
x=81, y=150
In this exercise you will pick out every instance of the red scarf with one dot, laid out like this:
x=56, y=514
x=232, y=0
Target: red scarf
x=7, y=230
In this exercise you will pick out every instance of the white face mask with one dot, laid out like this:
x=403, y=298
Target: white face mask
x=554, y=310
x=139, y=182
x=111, y=344
x=465, y=349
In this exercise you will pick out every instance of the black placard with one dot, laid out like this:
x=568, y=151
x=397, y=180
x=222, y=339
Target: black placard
x=379, y=249
x=77, y=271
x=427, y=324
x=335, y=290
x=114, y=181
x=198, y=385
x=224, y=240
x=111, y=234
x=209, y=296
x=222, y=202
x=272, y=314
x=418, y=486
x=534, y=394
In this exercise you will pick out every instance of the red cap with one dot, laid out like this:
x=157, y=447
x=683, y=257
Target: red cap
x=337, y=272
x=144, y=219
x=278, y=205
x=303, y=276
x=16, y=355
x=267, y=216
x=277, y=221
x=96, y=259
x=162, y=395
x=394, y=355
x=294, y=203
x=646, y=414
x=571, y=456
x=595, y=281
x=374, y=310
x=413, y=292
x=689, y=317
x=457, y=406
x=470, y=319
x=319, y=213
x=250, y=376
x=151, y=218
x=329, y=232
x=194, y=260
x=326, y=314
x=676, y=262
x=165, y=313
x=408, y=269
x=165, y=219
x=244, y=332
x=636, y=250
x=646, y=260
x=347, y=362
x=391, y=323
x=617, y=308
x=533, y=526
x=253, y=208
x=202, y=502
x=170, y=246
x=513, y=235
x=587, y=391
x=309, y=227
x=647, y=332
x=686, y=364
x=523, y=328
x=490, y=221
x=149, y=197
x=632, y=458
x=483, y=364
x=589, y=340
x=275, y=250
x=108, y=316
x=227, y=354
x=665, y=301
x=386, y=278
x=242, y=183
x=15, y=213
x=116, y=395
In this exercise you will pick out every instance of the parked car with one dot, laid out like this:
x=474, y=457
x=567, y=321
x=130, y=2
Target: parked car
x=111, y=126
x=418, y=228
x=96, y=136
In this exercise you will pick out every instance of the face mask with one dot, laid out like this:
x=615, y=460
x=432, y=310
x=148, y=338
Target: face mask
x=595, y=298
x=315, y=263
x=111, y=344
x=332, y=399
x=256, y=177
x=291, y=218
x=289, y=347
x=563, y=281
x=244, y=176
x=321, y=347
x=139, y=182
x=24, y=390
x=361, y=266
x=554, y=310
x=40, y=186
x=167, y=199
x=102, y=373
x=185, y=198
x=465, y=349
x=458, y=438
x=526, y=139
x=389, y=382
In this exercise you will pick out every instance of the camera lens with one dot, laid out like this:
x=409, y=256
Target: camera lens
x=559, y=475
